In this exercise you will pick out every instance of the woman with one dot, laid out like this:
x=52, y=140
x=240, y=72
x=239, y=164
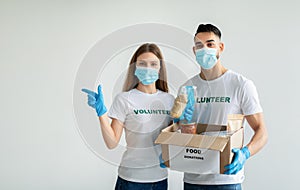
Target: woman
x=142, y=110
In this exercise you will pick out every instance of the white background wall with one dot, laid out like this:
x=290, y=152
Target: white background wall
x=42, y=44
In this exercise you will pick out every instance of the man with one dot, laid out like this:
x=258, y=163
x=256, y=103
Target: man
x=221, y=92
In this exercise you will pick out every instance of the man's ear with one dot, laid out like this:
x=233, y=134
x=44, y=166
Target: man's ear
x=194, y=50
x=221, y=46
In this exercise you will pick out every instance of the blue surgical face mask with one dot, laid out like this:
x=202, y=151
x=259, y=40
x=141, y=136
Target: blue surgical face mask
x=206, y=57
x=146, y=75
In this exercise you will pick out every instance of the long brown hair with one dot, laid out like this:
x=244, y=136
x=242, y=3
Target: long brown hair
x=132, y=81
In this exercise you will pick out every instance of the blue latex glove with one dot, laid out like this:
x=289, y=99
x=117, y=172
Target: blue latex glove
x=240, y=157
x=161, y=162
x=188, y=113
x=96, y=101
x=189, y=109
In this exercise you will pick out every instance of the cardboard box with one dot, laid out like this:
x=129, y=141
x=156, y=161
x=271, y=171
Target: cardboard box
x=206, y=152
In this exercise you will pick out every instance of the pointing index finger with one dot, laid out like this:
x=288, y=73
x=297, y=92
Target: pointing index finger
x=88, y=91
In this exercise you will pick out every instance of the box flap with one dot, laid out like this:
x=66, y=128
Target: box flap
x=189, y=140
x=172, y=128
x=235, y=116
x=235, y=122
x=209, y=142
x=208, y=127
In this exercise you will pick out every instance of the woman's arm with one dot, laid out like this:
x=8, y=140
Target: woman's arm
x=111, y=132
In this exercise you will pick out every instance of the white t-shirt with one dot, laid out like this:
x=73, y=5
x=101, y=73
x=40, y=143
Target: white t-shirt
x=143, y=116
x=231, y=93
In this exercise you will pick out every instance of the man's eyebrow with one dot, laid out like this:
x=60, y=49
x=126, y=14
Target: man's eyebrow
x=210, y=40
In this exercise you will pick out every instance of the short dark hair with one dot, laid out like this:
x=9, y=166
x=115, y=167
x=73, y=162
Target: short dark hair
x=208, y=28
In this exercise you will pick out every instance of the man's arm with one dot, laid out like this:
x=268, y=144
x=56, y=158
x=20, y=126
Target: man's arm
x=257, y=142
x=260, y=136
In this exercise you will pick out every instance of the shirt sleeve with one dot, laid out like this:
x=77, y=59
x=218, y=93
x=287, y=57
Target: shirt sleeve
x=118, y=109
x=250, y=101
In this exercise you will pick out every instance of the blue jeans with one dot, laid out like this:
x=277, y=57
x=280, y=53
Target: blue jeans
x=188, y=186
x=123, y=184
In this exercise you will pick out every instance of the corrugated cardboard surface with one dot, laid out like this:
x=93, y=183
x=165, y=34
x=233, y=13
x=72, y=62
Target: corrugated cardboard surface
x=192, y=140
x=209, y=128
x=235, y=121
x=194, y=160
x=165, y=154
x=224, y=144
x=236, y=141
